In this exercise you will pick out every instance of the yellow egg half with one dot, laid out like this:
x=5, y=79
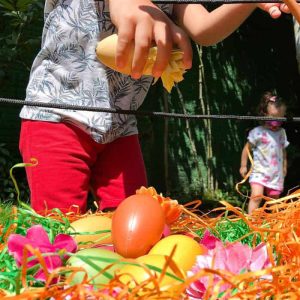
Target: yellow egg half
x=133, y=275
x=187, y=249
x=86, y=230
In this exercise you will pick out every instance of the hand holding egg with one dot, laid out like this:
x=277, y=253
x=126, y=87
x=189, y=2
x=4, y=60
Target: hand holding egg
x=106, y=53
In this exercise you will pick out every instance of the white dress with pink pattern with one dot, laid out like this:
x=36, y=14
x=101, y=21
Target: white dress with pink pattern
x=267, y=146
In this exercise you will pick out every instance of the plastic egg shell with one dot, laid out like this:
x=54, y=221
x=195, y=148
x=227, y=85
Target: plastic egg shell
x=90, y=224
x=137, y=225
x=187, y=249
x=133, y=275
x=106, y=53
x=94, y=255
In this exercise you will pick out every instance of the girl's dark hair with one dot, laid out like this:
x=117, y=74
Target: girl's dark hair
x=266, y=98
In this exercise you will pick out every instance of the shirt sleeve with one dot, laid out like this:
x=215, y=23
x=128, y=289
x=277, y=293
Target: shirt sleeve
x=252, y=137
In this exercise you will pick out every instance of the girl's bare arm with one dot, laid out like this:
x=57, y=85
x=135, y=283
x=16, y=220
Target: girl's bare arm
x=208, y=28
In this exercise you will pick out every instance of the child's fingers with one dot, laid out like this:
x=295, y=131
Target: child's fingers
x=274, y=11
x=293, y=7
x=184, y=44
x=272, y=8
x=143, y=40
x=125, y=43
x=163, y=40
x=284, y=8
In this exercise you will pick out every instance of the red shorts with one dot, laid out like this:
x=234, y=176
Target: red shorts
x=269, y=191
x=70, y=162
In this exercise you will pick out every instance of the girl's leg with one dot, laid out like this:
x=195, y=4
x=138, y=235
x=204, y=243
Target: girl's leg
x=118, y=172
x=256, y=190
x=64, y=154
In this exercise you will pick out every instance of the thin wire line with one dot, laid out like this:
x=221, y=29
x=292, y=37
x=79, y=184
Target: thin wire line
x=139, y=113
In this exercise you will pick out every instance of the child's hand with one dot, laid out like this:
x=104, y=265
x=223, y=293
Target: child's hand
x=243, y=171
x=274, y=9
x=139, y=23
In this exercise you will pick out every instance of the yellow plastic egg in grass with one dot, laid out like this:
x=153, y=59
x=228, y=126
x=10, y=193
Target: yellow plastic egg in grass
x=106, y=53
x=187, y=249
x=134, y=275
x=93, y=261
x=91, y=230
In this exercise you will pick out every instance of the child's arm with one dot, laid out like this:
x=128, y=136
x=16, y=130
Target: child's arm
x=284, y=163
x=139, y=23
x=208, y=28
x=244, y=159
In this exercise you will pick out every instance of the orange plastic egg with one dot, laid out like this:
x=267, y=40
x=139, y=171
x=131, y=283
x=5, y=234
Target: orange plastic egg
x=137, y=225
x=171, y=208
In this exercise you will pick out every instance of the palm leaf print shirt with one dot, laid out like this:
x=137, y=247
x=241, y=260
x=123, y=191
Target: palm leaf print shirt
x=67, y=71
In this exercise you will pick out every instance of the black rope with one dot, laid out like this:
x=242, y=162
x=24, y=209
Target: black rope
x=139, y=113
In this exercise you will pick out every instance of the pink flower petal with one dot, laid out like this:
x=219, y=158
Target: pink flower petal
x=203, y=261
x=15, y=244
x=40, y=275
x=64, y=241
x=39, y=236
x=166, y=231
x=220, y=257
x=53, y=262
x=238, y=257
x=259, y=258
x=232, y=257
x=36, y=237
x=209, y=240
x=196, y=290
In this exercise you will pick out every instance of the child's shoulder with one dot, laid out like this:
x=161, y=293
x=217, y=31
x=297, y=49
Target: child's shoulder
x=257, y=129
x=282, y=133
x=281, y=130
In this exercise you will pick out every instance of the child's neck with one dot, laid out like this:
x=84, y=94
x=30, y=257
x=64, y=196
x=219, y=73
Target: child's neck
x=273, y=128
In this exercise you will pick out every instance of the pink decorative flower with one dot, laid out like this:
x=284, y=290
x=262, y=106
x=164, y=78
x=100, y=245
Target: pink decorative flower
x=38, y=238
x=208, y=240
x=232, y=257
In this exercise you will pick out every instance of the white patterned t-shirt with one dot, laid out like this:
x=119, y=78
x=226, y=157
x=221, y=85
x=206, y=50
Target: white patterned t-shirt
x=267, y=146
x=67, y=71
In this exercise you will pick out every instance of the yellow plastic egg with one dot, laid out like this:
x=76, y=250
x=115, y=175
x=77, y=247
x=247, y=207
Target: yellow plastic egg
x=106, y=53
x=86, y=228
x=173, y=73
x=133, y=275
x=187, y=249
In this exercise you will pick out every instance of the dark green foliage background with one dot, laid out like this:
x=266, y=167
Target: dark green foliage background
x=259, y=56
